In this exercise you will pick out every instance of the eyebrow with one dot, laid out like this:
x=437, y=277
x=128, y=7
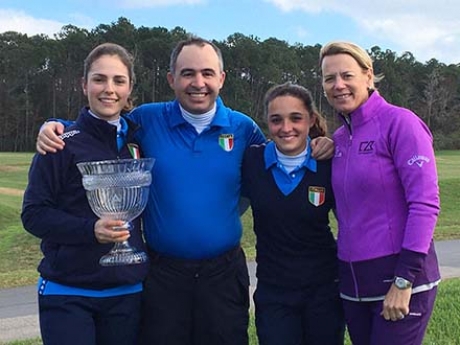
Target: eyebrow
x=105, y=75
x=290, y=113
x=184, y=70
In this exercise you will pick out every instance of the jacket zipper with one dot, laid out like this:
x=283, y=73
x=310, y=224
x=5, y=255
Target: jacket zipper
x=347, y=121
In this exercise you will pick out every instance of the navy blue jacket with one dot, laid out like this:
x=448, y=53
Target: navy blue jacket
x=55, y=209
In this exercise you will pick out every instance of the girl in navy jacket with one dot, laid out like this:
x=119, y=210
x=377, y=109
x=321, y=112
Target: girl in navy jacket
x=80, y=301
x=297, y=298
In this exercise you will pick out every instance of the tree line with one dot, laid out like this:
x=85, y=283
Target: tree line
x=40, y=77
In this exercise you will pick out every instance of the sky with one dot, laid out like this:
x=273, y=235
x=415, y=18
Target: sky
x=426, y=28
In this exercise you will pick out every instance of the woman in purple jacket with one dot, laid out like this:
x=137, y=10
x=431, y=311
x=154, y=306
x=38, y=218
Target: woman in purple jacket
x=386, y=188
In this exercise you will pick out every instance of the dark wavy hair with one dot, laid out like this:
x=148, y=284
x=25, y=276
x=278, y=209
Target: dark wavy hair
x=319, y=129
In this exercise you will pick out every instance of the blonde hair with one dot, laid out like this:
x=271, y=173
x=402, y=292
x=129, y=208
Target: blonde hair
x=356, y=52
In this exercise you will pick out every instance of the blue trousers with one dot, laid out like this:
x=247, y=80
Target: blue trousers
x=310, y=315
x=367, y=327
x=76, y=320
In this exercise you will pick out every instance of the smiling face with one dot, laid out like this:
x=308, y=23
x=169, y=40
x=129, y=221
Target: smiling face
x=345, y=83
x=107, y=86
x=289, y=124
x=197, y=78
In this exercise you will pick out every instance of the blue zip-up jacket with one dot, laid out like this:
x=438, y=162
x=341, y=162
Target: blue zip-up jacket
x=56, y=209
x=387, y=198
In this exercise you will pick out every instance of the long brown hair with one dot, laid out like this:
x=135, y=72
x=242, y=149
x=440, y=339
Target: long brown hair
x=125, y=57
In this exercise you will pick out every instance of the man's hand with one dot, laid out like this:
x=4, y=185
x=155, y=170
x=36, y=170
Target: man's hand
x=48, y=138
x=107, y=231
x=322, y=148
x=396, y=303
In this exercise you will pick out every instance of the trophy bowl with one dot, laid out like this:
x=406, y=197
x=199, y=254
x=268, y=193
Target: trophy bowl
x=118, y=190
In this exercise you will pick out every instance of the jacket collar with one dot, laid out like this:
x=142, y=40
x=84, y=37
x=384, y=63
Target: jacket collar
x=271, y=158
x=101, y=128
x=366, y=111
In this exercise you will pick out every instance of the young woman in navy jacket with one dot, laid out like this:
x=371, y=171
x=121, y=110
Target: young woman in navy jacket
x=80, y=301
x=297, y=298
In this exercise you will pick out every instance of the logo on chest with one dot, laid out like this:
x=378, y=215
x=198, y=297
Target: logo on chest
x=316, y=195
x=366, y=147
x=226, y=141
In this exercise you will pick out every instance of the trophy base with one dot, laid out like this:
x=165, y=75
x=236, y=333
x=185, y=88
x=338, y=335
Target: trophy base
x=130, y=256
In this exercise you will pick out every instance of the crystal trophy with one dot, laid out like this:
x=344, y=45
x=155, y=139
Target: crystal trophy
x=118, y=189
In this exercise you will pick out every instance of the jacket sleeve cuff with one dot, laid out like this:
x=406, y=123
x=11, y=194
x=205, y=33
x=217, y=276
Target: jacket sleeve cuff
x=91, y=236
x=410, y=263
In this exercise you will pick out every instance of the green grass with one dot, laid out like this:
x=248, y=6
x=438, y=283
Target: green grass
x=19, y=251
x=14, y=169
x=20, y=254
x=249, y=238
x=448, y=226
x=443, y=328
x=35, y=341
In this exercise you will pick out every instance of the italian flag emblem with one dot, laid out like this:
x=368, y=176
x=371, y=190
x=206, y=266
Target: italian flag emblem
x=226, y=141
x=134, y=150
x=316, y=195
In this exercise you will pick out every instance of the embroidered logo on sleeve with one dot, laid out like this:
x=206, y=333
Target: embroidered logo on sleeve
x=419, y=160
x=316, y=195
x=226, y=141
x=69, y=134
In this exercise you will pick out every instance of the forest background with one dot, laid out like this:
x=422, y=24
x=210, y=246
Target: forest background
x=40, y=77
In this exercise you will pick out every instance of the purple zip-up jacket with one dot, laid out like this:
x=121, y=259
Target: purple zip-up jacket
x=387, y=197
